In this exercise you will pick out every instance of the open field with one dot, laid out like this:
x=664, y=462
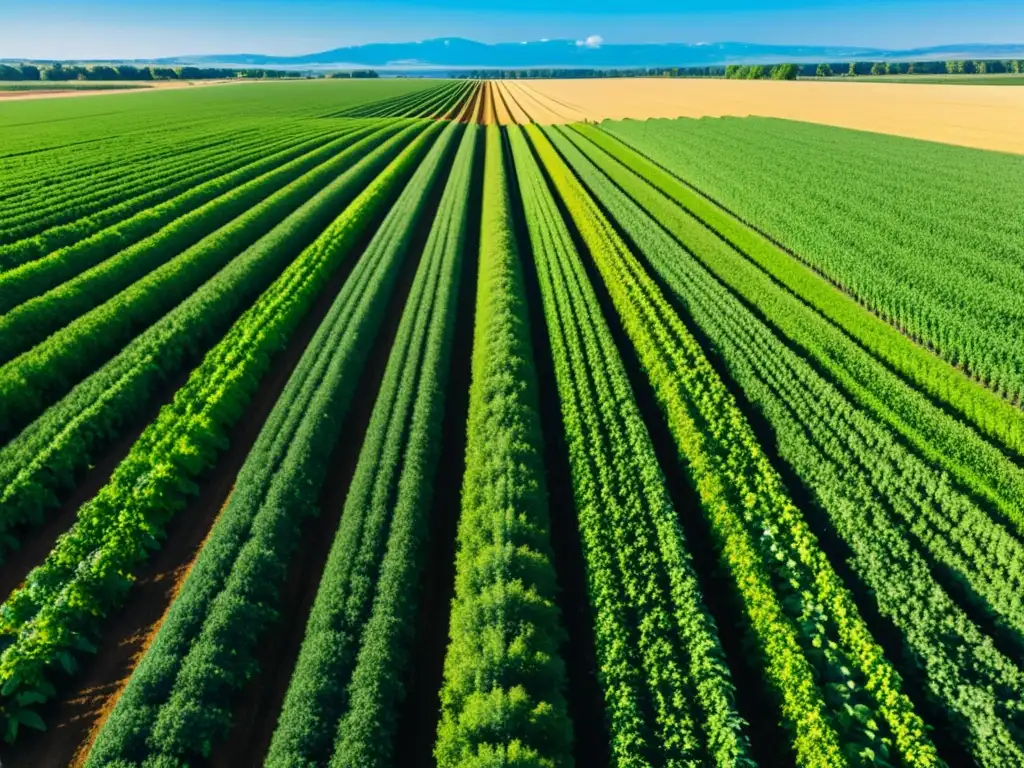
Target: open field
x=982, y=117
x=995, y=79
x=72, y=89
x=371, y=424
x=51, y=86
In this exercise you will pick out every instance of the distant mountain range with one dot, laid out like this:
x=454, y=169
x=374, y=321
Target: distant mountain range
x=459, y=53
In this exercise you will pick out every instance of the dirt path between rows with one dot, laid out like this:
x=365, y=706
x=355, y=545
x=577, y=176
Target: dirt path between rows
x=984, y=117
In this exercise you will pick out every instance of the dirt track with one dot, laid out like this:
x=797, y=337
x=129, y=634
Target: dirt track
x=985, y=117
x=161, y=85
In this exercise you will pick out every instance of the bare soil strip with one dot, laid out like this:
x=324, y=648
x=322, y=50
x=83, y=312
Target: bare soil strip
x=984, y=117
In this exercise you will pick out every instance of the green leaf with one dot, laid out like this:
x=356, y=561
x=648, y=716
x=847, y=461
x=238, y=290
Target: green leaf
x=29, y=697
x=32, y=719
x=66, y=661
x=83, y=644
x=10, y=686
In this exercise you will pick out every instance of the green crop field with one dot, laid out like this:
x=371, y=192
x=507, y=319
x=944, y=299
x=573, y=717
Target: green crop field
x=1000, y=79
x=342, y=426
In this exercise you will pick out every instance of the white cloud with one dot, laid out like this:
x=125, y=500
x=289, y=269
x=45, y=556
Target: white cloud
x=594, y=41
x=544, y=39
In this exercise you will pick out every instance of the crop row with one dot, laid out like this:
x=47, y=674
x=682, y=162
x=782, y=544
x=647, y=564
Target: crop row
x=178, y=700
x=43, y=269
x=343, y=702
x=943, y=268
x=843, y=344
x=49, y=620
x=97, y=327
x=436, y=102
x=101, y=233
x=896, y=513
x=796, y=605
x=71, y=211
x=47, y=309
x=49, y=454
x=33, y=178
x=668, y=693
x=502, y=697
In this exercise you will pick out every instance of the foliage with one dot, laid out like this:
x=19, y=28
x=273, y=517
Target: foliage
x=896, y=513
x=944, y=439
x=341, y=708
x=178, y=701
x=942, y=267
x=51, y=618
x=504, y=678
x=668, y=694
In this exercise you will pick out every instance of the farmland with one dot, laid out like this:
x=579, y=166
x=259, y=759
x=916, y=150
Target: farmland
x=981, y=117
x=436, y=422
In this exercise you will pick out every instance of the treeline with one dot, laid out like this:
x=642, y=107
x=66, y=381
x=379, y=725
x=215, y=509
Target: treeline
x=357, y=73
x=761, y=71
x=579, y=74
x=65, y=72
x=987, y=67
x=874, y=68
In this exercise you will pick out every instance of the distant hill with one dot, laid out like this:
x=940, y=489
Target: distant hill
x=455, y=52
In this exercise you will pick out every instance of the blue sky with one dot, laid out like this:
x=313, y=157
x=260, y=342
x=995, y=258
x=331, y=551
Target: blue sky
x=142, y=28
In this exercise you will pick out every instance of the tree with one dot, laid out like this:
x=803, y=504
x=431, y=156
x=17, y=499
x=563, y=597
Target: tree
x=878, y=68
x=980, y=67
x=732, y=71
x=101, y=72
x=785, y=72
x=853, y=69
x=824, y=70
x=756, y=72
x=9, y=73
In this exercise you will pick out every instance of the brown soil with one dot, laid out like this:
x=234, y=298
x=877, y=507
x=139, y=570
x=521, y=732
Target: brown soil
x=466, y=111
x=985, y=117
x=81, y=710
